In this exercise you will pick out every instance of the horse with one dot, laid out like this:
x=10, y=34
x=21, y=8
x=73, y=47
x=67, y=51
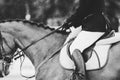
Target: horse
x=25, y=33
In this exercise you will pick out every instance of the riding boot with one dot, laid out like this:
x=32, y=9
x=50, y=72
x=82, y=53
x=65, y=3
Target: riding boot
x=79, y=72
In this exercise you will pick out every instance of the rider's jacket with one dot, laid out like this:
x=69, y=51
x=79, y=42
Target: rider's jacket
x=89, y=14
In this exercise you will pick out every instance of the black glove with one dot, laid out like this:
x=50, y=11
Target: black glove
x=66, y=26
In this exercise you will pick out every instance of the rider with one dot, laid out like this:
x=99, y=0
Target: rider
x=90, y=16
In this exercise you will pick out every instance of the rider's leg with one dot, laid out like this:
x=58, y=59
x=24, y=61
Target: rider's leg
x=84, y=40
x=65, y=60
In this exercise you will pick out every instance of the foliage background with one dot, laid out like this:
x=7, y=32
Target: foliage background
x=52, y=12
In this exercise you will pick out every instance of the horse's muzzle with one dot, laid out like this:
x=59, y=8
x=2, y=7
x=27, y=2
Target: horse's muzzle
x=4, y=68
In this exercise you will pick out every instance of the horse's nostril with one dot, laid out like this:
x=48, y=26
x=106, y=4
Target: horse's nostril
x=1, y=75
x=6, y=73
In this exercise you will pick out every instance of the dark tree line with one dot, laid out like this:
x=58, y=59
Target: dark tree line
x=46, y=9
x=10, y=9
x=42, y=10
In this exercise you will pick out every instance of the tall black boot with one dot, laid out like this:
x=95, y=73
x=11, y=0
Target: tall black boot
x=79, y=72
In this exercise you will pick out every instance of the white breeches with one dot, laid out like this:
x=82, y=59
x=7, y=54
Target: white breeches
x=84, y=40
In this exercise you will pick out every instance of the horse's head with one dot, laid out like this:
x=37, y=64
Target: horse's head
x=7, y=50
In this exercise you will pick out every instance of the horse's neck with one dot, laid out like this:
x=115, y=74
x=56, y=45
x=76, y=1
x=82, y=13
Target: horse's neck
x=43, y=48
x=25, y=34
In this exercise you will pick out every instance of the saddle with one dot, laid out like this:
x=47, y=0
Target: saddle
x=88, y=51
x=80, y=59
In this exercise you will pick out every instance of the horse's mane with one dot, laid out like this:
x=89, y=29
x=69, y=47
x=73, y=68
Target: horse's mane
x=34, y=23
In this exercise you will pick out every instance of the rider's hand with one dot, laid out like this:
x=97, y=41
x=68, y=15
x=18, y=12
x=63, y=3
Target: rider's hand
x=66, y=26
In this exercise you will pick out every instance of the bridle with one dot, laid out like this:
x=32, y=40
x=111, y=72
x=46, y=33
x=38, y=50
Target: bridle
x=5, y=58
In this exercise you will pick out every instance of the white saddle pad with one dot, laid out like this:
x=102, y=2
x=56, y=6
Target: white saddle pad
x=96, y=61
x=98, y=58
x=101, y=49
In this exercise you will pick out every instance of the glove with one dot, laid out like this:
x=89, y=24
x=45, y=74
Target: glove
x=66, y=26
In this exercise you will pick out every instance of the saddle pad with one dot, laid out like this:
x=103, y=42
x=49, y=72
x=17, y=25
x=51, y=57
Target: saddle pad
x=92, y=63
x=101, y=49
x=98, y=58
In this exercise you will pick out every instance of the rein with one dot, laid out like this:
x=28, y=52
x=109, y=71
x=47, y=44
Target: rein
x=54, y=53
x=34, y=42
x=45, y=60
x=50, y=56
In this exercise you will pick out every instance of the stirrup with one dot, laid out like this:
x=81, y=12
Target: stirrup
x=79, y=72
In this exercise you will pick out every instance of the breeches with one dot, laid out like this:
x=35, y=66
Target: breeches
x=84, y=40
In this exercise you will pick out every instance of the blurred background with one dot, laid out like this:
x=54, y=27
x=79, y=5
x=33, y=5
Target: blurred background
x=49, y=12
x=39, y=10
